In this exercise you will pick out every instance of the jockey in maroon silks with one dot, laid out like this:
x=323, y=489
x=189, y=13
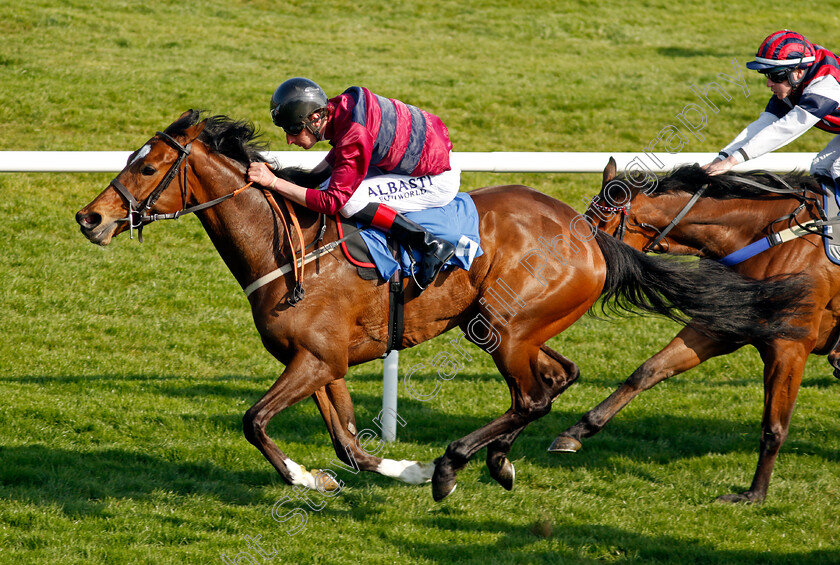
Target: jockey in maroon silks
x=387, y=157
x=805, y=81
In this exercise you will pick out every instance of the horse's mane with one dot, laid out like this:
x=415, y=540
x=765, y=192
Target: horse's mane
x=689, y=178
x=237, y=139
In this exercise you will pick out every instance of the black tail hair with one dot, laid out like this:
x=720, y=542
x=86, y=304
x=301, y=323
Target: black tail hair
x=713, y=299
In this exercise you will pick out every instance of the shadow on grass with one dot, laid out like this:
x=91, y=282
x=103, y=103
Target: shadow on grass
x=81, y=482
x=821, y=382
x=228, y=386
x=94, y=475
x=666, y=438
x=685, y=52
x=582, y=543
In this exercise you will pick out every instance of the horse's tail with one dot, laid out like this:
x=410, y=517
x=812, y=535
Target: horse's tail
x=710, y=297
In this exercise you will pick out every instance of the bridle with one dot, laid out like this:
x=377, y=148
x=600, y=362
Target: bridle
x=138, y=212
x=660, y=235
x=622, y=222
x=657, y=241
x=688, y=206
x=138, y=217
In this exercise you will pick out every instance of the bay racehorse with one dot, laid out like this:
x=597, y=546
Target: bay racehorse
x=536, y=277
x=689, y=212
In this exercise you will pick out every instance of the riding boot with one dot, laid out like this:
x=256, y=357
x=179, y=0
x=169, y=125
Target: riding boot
x=435, y=251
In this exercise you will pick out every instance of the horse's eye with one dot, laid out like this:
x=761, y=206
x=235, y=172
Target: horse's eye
x=148, y=170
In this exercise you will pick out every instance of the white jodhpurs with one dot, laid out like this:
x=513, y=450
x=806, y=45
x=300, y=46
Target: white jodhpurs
x=827, y=161
x=404, y=193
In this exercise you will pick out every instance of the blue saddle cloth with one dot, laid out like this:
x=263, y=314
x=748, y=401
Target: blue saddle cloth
x=457, y=222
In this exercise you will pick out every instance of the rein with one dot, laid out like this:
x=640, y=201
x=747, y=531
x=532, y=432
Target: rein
x=298, y=292
x=689, y=205
x=777, y=238
x=774, y=239
x=288, y=267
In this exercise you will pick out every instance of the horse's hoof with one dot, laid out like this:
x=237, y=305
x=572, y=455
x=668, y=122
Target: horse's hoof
x=743, y=498
x=505, y=475
x=565, y=444
x=439, y=492
x=443, y=481
x=837, y=373
x=325, y=481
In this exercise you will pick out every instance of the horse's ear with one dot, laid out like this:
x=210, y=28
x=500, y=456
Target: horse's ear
x=196, y=129
x=609, y=173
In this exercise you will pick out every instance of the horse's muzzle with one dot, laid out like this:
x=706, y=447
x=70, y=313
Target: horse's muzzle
x=93, y=227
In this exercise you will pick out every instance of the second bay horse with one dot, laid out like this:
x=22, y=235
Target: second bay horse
x=689, y=212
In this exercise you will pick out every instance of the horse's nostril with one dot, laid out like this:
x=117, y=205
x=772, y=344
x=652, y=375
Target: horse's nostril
x=88, y=221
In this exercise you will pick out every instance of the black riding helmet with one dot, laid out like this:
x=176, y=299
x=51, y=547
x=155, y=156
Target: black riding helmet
x=294, y=101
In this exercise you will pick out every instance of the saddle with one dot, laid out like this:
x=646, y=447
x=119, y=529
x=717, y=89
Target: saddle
x=377, y=257
x=355, y=249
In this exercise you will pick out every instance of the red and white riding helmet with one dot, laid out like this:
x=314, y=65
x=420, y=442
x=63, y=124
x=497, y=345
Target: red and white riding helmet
x=783, y=48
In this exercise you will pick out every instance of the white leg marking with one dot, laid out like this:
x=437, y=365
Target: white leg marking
x=300, y=475
x=411, y=472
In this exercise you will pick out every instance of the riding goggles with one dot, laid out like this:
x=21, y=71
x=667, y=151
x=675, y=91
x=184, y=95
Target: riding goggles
x=294, y=129
x=777, y=75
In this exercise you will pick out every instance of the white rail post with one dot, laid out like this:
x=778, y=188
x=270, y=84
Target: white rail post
x=390, y=382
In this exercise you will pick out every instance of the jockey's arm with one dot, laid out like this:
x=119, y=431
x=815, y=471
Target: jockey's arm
x=262, y=174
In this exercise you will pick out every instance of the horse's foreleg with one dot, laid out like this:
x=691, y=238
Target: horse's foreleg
x=532, y=393
x=336, y=407
x=304, y=375
x=784, y=363
x=687, y=350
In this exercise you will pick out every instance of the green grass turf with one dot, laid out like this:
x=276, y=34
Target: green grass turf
x=126, y=370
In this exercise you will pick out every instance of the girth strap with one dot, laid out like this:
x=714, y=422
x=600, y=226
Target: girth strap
x=773, y=240
x=396, y=308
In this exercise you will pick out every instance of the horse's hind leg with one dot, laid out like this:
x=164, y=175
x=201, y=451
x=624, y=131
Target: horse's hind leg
x=687, y=350
x=531, y=394
x=834, y=356
x=336, y=407
x=834, y=361
x=552, y=366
